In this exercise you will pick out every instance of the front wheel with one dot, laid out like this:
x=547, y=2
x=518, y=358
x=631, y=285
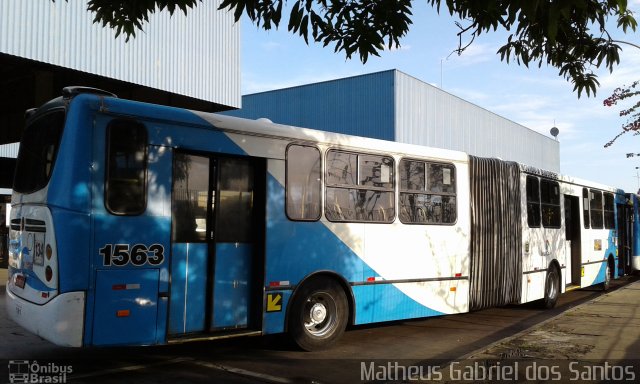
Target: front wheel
x=551, y=288
x=319, y=314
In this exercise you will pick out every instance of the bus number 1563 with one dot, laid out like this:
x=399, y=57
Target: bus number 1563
x=120, y=255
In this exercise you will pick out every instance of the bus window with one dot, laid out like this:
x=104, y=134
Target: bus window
x=595, y=206
x=609, y=216
x=427, y=193
x=190, y=198
x=533, y=201
x=303, y=183
x=550, y=203
x=359, y=187
x=585, y=208
x=38, y=151
x=125, y=185
x=235, y=208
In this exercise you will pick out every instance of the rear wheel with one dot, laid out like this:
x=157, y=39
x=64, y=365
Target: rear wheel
x=607, y=277
x=551, y=288
x=319, y=314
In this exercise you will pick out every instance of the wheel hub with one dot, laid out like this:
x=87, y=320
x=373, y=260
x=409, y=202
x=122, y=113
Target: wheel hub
x=318, y=313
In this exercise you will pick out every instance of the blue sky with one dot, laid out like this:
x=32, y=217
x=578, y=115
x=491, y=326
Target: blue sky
x=534, y=97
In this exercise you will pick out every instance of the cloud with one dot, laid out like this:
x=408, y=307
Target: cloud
x=474, y=54
x=403, y=47
x=270, y=46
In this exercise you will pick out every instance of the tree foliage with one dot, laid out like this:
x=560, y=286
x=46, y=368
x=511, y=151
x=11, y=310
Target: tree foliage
x=570, y=35
x=632, y=114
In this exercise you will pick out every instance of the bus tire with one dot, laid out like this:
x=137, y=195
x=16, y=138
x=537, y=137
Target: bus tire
x=551, y=288
x=607, y=276
x=319, y=314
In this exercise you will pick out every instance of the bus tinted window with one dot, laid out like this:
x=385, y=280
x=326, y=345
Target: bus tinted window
x=190, y=198
x=235, y=208
x=427, y=193
x=595, y=206
x=550, y=203
x=533, y=201
x=341, y=168
x=38, y=151
x=303, y=182
x=359, y=187
x=585, y=208
x=125, y=186
x=609, y=216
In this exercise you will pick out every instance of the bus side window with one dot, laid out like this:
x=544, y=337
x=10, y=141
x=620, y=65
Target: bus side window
x=550, y=203
x=609, y=216
x=303, y=183
x=533, y=202
x=585, y=208
x=427, y=193
x=595, y=205
x=126, y=184
x=359, y=187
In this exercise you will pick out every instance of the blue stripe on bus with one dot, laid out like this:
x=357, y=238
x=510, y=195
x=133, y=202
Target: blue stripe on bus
x=319, y=249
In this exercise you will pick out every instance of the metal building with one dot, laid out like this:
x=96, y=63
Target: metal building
x=392, y=105
x=191, y=61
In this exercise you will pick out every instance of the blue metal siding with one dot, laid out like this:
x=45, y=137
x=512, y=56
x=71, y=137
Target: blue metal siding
x=361, y=106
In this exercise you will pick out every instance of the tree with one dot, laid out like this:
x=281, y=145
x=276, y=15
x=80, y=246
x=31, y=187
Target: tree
x=570, y=35
x=632, y=113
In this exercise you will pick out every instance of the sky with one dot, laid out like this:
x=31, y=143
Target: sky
x=537, y=98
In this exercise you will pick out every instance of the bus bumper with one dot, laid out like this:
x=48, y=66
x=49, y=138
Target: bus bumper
x=59, y=321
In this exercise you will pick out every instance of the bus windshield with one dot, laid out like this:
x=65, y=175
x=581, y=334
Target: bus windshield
x=38, y=151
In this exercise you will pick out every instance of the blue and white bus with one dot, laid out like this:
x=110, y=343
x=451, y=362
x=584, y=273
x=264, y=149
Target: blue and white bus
x=136, y=224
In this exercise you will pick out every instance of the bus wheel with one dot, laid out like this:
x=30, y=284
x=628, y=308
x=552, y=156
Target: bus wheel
x=319, y=314
x=607, y=277
x=551, y=288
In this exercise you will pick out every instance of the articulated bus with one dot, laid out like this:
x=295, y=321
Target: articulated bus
x=137, y=224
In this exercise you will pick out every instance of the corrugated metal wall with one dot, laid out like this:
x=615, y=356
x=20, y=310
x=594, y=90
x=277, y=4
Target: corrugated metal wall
x=197, y=55
x=360, y=105
x=9, y=150
x=426, y=115
x=392, y=105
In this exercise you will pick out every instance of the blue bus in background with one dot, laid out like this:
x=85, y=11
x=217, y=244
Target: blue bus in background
x=137, y=224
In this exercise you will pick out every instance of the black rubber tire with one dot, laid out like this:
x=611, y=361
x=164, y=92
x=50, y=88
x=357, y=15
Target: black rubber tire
x=607, y=277
x=319, y=314
x=551, y=288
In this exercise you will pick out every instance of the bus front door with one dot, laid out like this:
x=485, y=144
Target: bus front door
x=213, y=261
